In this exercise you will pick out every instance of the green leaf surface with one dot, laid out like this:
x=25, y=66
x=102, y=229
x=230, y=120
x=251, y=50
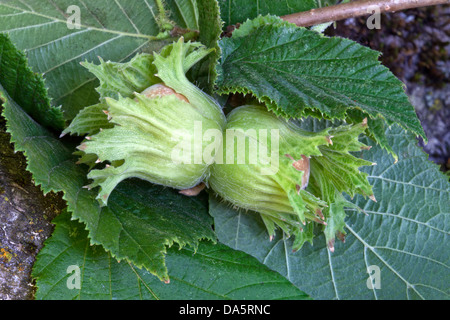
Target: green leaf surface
x=115, y=30
x=405, y=234
x=238, y=11
x=25, y=86
x=297, y=72
x=212, y=272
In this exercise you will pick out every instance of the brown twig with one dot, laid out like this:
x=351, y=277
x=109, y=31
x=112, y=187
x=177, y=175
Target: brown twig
x=355, y=9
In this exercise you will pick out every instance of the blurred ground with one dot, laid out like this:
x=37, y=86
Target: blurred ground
x=415, y=46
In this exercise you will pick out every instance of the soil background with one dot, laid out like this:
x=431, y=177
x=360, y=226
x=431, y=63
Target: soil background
x=415, y=46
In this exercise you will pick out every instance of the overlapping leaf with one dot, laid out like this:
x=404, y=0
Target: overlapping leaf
x=26, y=87
x=213, y=272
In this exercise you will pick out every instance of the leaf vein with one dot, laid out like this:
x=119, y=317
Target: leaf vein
x=409, y=184
x=365, y=244
x=82, y=54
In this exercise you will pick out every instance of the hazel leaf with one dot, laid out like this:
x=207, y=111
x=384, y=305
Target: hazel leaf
x=212, y=271
x=297, y=72
x=26, y=87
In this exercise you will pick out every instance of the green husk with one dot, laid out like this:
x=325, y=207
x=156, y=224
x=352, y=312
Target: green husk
x=275, y=188
x=142, y=137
